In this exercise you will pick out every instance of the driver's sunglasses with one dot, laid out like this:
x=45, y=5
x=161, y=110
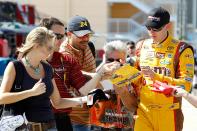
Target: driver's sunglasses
x=154, y=29
x=59, y=36
x=112, y=60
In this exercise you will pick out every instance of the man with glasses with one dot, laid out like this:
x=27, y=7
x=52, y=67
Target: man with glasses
x=116, y=51
x=57, y=61
x=78, y=34
x=164, y=59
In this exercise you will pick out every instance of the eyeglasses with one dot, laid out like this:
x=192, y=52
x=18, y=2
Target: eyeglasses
x=59, y=36
x=112, y=60
x=154, y=29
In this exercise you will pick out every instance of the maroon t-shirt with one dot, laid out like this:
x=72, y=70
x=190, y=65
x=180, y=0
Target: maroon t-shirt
x=69, y=72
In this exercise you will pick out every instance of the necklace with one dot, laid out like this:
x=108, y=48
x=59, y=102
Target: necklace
x=35, y=69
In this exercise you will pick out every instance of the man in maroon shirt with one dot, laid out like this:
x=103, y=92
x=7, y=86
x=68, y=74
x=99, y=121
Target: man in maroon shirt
x=66, y=72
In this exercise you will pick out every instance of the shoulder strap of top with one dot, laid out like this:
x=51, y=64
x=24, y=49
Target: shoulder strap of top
x=19, y=68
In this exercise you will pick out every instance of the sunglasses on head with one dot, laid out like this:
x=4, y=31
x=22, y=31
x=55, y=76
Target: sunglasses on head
x=154, y=29
x=59, y=36
x=112, y=60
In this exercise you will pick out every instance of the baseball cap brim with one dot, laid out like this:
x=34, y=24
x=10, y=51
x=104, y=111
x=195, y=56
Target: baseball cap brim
x=82, y=32
x=153, y=24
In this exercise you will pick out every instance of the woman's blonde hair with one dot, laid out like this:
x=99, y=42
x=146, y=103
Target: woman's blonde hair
x=39, y=35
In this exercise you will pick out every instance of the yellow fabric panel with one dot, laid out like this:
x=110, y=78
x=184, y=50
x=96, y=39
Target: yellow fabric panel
x=186, y=71
x=152, y=121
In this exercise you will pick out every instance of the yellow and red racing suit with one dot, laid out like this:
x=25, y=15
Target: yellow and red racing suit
x=157, y=112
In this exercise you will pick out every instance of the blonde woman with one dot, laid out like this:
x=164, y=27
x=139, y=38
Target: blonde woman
x=39, y=87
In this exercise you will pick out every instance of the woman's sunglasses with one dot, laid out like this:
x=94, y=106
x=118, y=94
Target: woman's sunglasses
x=112, y=60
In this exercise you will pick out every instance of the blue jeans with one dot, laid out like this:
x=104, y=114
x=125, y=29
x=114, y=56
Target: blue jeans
x=80, y=127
